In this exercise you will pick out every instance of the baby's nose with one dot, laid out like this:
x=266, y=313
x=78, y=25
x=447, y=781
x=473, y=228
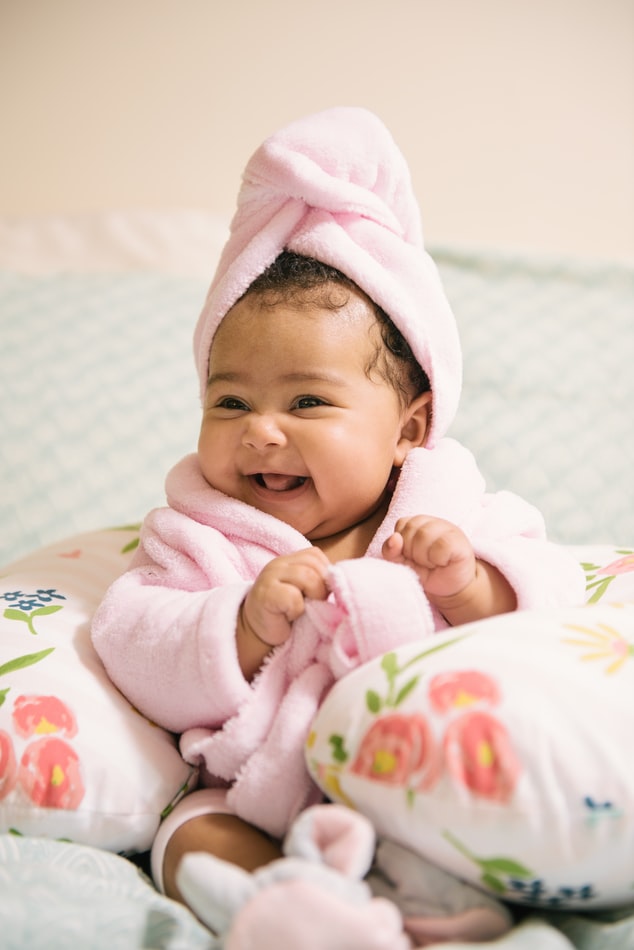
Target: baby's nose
x=262, y=430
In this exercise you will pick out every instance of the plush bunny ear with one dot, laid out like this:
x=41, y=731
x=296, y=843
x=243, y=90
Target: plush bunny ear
x=214, y=889
x=335, y=836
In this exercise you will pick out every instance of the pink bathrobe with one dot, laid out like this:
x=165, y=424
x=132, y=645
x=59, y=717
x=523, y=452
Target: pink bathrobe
x=166, y=629
x=336, y=187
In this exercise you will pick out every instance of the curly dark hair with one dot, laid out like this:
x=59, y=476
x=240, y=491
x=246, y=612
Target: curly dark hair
x=292, y=276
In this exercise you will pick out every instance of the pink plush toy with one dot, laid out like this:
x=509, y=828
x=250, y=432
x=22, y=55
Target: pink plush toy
x=315, y=898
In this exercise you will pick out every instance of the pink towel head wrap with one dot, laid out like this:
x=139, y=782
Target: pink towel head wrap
x=335, y=186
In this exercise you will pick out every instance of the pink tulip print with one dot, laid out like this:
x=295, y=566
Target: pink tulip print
x=50, y=774
x=8, y=765
x=49, y=771
x=461, y=688
x=39, y=715
x=456, y=733
x=479, y=754
x=400, y=750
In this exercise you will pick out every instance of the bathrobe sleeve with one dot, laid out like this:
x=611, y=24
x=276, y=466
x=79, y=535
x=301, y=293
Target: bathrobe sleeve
x=165, y=630
x=505, y=530
x=509, y=534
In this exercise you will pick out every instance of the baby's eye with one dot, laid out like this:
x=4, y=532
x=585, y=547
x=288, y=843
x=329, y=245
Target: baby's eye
x=308, y=402
x=232, y=403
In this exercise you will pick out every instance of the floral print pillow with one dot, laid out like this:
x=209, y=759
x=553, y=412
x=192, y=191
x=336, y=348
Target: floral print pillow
x=502, y=750
x=77, y=760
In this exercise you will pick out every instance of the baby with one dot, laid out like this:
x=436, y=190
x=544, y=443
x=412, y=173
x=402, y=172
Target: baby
x=325, y=518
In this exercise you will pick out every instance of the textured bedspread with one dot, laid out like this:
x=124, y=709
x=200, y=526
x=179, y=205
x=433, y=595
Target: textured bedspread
x=99, y=393
x=55, y=895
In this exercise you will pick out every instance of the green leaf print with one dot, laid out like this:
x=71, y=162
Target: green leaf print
x=406, y=690
x=494, y=870
x=389, y=665
x=337, y=744
x=19, y=663
x=182, y=791
x=599, y=588
x=134, y=543
x=493, y=883
x=600, y=576
x=505, y=866
x=130, y=546
x=12, y=613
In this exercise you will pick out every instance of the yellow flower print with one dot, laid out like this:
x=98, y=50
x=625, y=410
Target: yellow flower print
x=605, y=642
x=329, y=781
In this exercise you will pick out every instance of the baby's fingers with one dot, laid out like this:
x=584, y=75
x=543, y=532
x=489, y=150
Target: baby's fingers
x=431, y=542
x=393, y=548
x=308, y=571
x=417, y=537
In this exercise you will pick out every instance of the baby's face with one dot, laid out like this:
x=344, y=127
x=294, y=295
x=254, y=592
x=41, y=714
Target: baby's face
x=292, y=423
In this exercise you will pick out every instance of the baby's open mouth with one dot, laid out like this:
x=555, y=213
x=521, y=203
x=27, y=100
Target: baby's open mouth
x=277, y=482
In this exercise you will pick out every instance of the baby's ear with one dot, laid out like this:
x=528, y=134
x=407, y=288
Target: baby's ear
x=415, y=427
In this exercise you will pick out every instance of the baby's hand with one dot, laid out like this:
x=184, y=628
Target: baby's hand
x=277, y=596
x=439, y=552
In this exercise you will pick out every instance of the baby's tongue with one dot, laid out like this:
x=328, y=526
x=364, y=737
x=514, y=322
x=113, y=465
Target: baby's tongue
x=275, y=482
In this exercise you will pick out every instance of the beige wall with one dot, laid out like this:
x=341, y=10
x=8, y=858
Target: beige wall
x=517, y=116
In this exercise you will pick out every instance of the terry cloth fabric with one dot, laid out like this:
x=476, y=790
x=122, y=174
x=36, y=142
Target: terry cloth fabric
x=166, y=629
x=335, y=186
